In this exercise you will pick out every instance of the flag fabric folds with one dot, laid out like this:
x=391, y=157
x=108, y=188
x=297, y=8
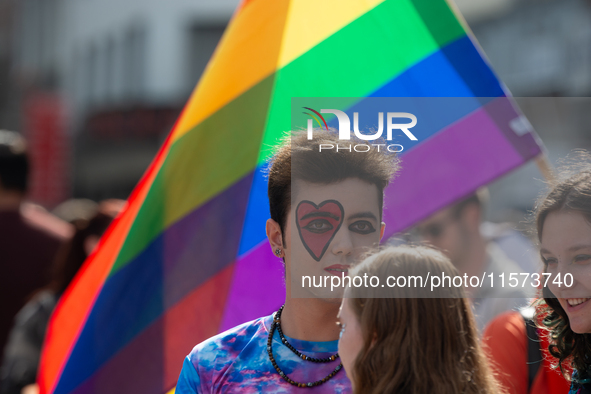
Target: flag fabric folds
x=188, y=257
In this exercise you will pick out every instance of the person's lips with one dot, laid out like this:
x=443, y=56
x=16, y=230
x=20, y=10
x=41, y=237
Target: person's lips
x=337, y=269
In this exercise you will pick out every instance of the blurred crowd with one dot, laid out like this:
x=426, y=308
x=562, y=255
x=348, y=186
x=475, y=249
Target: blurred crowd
x=40, y=255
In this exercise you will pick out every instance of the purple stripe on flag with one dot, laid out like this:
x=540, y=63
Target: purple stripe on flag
x=257, y=287
x=449, y=165
x=513, y=125
x=203, y=242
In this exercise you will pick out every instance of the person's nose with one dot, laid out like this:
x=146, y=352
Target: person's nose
x=562, y=267
x=342, y=244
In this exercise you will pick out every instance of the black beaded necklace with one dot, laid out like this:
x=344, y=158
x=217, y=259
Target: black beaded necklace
x=277, y=324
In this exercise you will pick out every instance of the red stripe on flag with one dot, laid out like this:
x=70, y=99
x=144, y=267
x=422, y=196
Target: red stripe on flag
x=152, y=361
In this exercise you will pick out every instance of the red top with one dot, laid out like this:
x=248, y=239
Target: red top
x=505, y=342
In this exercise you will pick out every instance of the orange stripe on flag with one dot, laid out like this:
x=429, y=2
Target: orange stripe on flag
x=247, y=54
x=72, y=310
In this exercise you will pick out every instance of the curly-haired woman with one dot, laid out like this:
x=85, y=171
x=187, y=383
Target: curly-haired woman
x=563, y=222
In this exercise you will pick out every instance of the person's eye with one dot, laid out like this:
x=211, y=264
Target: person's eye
x=582, y=258
x=319, y=226
x=549, y=262
x=434, y=230
x=362, y=227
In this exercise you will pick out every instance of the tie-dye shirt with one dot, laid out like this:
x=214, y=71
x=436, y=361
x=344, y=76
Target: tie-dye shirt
x=236, y=361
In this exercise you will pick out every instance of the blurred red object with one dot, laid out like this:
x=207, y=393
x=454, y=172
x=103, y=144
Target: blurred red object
x=49, y=151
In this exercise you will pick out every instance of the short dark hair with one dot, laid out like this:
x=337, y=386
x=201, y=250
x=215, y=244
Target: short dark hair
x=376, y=167
x=14, y=163
x=477, y=198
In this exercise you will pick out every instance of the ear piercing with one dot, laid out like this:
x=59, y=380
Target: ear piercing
x=277, y=252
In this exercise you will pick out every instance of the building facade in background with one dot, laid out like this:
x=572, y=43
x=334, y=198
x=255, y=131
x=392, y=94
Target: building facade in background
x=121, y=70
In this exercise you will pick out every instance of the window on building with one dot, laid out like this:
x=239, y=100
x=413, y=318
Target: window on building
x=135, y=63
x=203, y=40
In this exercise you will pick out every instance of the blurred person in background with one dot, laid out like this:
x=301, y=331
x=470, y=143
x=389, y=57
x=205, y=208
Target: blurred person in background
x=28, y=242
x=514, y=243
x=23, y=349
x=455, y=230
x=76, y=209
x=401, y=340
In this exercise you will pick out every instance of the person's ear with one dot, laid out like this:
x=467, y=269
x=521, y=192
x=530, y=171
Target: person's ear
x=275, y=238
x=382, y=228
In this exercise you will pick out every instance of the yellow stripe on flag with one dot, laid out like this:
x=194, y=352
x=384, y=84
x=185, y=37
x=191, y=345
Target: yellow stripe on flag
x=311, y=21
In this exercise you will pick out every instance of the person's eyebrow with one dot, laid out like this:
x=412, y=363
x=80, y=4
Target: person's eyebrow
x=573, y=248
x=321, y=215
x=578, y=247
x=363, y=215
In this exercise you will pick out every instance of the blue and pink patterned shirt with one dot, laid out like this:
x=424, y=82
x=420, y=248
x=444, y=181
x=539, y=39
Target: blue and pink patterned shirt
x=579, y=386
x=236, y=361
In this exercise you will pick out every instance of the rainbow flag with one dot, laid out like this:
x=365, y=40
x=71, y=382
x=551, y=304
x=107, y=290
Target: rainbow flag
x=188, y=258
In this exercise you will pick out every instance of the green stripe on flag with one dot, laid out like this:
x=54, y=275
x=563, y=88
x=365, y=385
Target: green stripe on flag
x=440, y=20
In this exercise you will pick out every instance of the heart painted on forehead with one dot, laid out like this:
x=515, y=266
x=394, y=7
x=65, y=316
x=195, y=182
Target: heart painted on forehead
x=318, y=224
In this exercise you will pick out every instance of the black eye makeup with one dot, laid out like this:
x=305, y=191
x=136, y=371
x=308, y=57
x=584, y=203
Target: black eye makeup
x=548, y=261
x=362, y=227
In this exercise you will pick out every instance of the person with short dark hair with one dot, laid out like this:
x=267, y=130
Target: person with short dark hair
x=326, y=209
x=455, y=230
x=411, y=339
x=27, y=248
